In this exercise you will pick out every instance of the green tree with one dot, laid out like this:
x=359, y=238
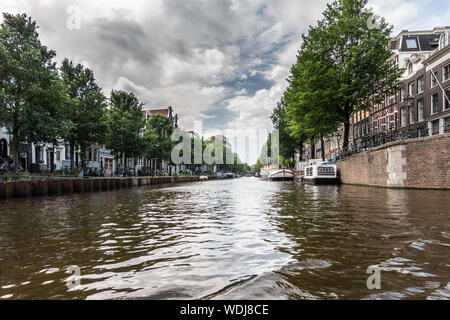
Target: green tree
x=158, y=138
x=30, y=90
x=288, y=142
x=84, y=110
x=257, y=167
x=125, y=124
x=343, y=66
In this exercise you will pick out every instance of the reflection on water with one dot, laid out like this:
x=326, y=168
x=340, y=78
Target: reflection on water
x=233, y=239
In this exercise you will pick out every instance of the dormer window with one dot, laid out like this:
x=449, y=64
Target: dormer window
x=411, y=43
x=444, y=41
x=434, y=43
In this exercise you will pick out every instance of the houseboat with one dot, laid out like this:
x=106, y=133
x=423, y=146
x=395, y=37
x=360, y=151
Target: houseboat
x=321, y=174
x=281, y=175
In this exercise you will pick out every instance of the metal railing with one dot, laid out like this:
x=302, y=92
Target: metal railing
x=371, y=141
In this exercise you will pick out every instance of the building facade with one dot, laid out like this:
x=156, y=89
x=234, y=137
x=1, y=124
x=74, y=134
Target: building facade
x=420, y=107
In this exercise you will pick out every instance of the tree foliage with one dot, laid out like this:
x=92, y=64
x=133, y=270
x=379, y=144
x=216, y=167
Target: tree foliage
x=125, y=125
x=30, y=89
x=157, y=138
x=288, y=143
x=343, y=66
x=84, y=108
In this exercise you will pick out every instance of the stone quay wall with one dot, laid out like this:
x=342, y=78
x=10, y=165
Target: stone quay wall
x=415, y=163
x=57, y=187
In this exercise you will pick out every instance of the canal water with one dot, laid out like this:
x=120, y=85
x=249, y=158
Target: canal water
x=229, y=239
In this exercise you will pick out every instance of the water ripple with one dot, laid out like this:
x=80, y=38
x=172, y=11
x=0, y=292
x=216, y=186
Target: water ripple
x=233, y=239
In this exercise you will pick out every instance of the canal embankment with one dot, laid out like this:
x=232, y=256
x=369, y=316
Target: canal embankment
x=64, y=186
x=414, y=163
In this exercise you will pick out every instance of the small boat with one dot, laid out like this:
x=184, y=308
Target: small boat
x=281, y=175
x=204, y=178
x=321, y=174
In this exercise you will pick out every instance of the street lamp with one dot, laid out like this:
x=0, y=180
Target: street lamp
x=409, y=100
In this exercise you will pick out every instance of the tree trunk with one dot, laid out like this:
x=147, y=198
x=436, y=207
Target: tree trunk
x=83, y=158
x=322, y=143
x=72, y=158
x=346, y=134
x=52, y=160
x=313, y=149
x=301, y=151
x=14, y=149
x=15, y=133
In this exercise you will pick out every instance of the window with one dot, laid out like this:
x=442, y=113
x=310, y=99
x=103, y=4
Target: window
x=395, y=120
x=446, y=71
x=435, y=103
x=421, y=84
x=403, y=117
x=410, y=68
x=434, y=77
x=446, y=98
x=58, y=155
x=444, y=41
x=412, y=114
x=391, y=100
x=434, y=43
x=435, y=127
x=447, y=125
x=411, y=43
x=412, y=89
x=420, y=110
x=402, y=94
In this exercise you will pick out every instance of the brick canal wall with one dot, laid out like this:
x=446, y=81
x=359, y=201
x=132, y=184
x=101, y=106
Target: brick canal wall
x=56, y=187
x=416, y=163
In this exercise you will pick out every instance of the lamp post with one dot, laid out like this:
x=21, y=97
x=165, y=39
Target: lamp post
x=409, y=100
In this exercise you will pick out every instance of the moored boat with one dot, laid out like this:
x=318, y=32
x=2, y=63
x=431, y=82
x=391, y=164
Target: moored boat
x=281, y=175
x=321, y=174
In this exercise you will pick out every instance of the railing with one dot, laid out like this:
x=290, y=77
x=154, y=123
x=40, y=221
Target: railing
x=368, y=142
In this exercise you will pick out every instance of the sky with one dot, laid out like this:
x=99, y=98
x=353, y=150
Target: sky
x=222, y=62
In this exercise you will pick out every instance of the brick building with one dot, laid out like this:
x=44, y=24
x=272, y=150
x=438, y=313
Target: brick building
x=421, y=107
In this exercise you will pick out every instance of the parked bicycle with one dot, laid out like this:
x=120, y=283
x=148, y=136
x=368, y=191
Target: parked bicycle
x=9, y=166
